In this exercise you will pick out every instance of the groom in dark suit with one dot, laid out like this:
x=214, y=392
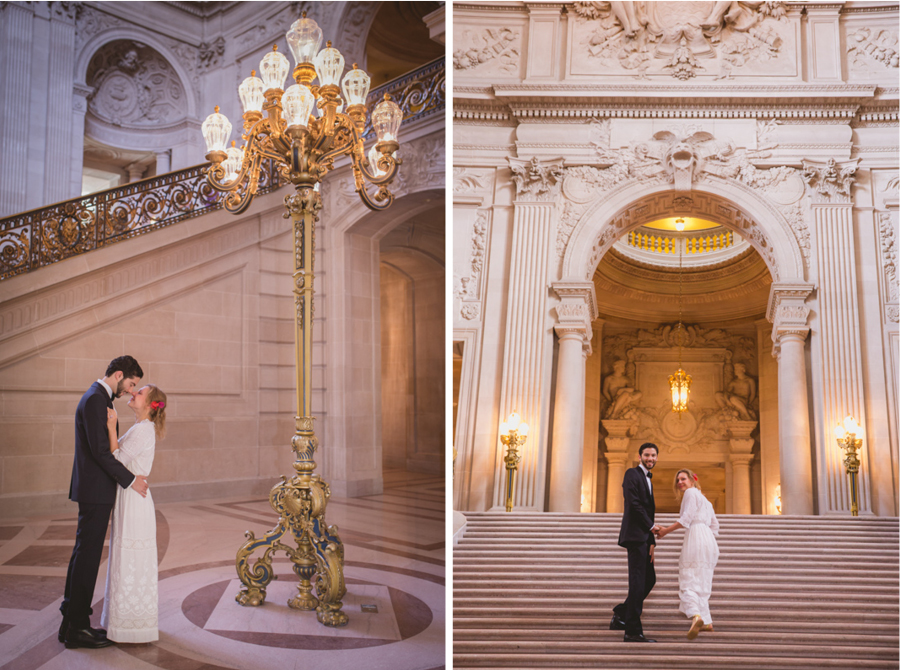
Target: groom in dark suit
x=95, y=474
x=637, y=536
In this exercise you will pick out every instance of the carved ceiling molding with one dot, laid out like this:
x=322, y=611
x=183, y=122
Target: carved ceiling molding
x=700, y=276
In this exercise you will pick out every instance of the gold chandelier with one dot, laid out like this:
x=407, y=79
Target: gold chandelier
x=680, y=382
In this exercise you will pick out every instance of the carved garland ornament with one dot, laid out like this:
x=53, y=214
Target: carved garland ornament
x=873, y=46
x=889, y=263
x=492, y=44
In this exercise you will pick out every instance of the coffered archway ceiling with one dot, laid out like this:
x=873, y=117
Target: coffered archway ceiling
x=735, y=290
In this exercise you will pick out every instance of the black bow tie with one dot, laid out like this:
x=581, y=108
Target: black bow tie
x=649, y=475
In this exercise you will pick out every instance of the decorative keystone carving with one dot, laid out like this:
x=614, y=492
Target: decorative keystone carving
x=535, y=180
x=830, y=181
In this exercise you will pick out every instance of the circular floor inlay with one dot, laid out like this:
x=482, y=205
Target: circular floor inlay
x=401, y=615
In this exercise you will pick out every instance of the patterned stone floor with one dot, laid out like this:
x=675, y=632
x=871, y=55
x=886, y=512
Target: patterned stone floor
x=394, y=560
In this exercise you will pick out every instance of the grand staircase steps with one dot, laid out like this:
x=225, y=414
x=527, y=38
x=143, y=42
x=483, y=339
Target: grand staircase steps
x=801, y=593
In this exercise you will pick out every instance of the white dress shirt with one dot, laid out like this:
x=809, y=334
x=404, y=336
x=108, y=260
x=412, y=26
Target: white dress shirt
x=649, y=481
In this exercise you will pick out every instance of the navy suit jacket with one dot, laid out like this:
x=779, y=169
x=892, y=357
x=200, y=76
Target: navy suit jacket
x=640, y=510
x=96, y=471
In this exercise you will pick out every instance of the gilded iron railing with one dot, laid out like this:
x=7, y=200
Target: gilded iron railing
x=47, y=235
x=419, y=93
x=666, y=244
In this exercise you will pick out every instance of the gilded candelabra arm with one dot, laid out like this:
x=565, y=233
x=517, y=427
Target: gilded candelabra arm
x=387, y=163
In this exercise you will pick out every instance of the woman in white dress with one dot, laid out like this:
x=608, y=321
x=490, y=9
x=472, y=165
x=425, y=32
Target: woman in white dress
x=699, y=553
x=131, y=605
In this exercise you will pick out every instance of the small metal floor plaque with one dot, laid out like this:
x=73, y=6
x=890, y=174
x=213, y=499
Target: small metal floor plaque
x=373, y=609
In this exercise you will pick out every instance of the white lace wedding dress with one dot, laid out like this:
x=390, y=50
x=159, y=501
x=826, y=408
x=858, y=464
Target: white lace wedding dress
x=699, y=554
x=131, y=605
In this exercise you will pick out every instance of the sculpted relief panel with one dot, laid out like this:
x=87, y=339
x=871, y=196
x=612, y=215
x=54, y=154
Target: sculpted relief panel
x=723, y=392
x=683, y=39
x=134, y=86
x=488, y=51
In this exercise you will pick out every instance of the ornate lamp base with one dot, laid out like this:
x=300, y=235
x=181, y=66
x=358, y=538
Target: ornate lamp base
x=318, y=558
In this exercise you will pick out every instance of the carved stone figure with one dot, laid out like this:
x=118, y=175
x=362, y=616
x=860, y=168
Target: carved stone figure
x=739, y=394
x=619, y=391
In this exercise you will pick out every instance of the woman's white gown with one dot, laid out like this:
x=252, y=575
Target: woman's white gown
x=699, y=554
x=131, y=606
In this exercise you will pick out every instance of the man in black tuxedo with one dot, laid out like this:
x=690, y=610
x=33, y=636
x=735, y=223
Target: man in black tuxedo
x=638, y=537
x=95, y=474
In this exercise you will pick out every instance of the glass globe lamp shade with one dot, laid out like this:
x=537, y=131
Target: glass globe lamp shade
x=296, y=105
x=374, y=155
x=329, y=66
x=523, y=429
x=232, y=164
x=251, y=92
x=216, y=130
x=386, y=119
x=304, y=39
x=514, y=420
x=839, y=432
x=851, y=426
x=355, y=86
x=274, y=68
x=504, y=428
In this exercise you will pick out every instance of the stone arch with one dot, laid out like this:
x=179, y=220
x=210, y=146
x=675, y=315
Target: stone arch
x=354, y=25
x=731, y=204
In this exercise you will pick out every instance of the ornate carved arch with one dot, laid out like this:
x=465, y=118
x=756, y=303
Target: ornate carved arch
x=725, y=201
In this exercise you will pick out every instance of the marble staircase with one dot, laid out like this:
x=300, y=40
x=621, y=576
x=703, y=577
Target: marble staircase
x=790, y=593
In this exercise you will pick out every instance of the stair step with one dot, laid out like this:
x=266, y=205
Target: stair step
x=669, y=656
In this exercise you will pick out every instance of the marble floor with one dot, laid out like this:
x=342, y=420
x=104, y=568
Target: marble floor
x=394, y=561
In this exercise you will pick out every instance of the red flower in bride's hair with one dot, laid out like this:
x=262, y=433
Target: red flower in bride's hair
x=696, y=478
x=159, y=404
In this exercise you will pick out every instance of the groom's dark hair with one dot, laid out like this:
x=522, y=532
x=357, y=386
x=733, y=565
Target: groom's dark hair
x=128, y=366
x=647, y=445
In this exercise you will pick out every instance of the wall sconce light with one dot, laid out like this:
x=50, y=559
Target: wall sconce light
x=513, y=433
x=846, y=432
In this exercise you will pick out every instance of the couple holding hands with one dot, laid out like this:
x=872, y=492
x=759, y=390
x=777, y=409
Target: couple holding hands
x=699, y=553
x=109, y=478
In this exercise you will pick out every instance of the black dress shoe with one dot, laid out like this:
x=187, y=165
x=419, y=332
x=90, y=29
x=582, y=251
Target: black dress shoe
x=637, y=638
x=63, y=627
x=85, y=638
x=616, y=623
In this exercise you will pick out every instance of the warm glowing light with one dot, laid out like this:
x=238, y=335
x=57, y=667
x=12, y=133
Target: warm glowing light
x=216, y=130
x=679, y=224
x=851, y=426
x=680, y=385
x=514, y=420
x=778, y=498
x=523, y=429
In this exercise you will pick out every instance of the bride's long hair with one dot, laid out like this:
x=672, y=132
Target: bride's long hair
x=157, y=401
x=694, y=478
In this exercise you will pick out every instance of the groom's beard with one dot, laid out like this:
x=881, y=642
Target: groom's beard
x=120, y=389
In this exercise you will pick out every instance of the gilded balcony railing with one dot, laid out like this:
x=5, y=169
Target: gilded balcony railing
x=47, y=235
x=693, y=244
x=419, y=93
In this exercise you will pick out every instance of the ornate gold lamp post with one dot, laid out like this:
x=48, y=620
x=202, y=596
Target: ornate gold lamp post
x=513, y=433
x=846, y=433
x=280, y=125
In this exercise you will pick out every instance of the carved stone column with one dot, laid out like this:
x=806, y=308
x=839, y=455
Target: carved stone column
x=741, y=457
x=578, y=307
x=619, y=458
x=80, y=95
x=838, y=342
x=527, y=346
x=789, y=313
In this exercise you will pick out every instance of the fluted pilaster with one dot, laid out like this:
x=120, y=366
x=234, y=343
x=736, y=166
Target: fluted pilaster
x=840, y=351
x=525, y=380
x=61, y=48
x=15, y=46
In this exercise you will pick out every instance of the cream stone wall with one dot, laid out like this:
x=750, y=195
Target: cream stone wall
x=777, y=122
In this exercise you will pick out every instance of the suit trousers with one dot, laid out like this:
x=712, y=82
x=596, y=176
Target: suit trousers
x=93, y=520
x=641, y=578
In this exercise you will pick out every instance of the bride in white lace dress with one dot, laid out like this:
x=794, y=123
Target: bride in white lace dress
x=699, y=553
x=131, y=605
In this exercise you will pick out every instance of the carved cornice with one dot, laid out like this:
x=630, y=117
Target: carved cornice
x=788, y=313
x=576, y=310
x=788, y=294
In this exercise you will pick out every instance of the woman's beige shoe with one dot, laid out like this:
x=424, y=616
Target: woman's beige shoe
x=696, y=623
x=708, y=628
